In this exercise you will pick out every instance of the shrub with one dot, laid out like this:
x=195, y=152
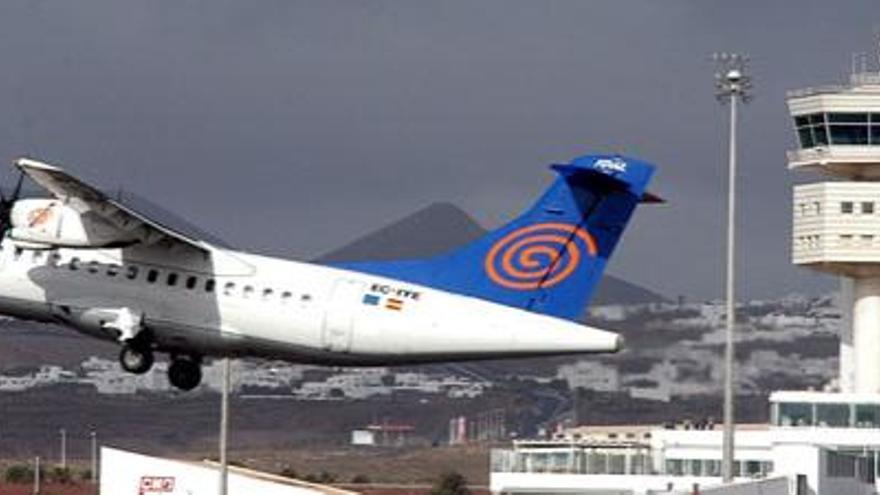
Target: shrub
x=19, y=473
x=451, y=483
x=289, y=472
x=61, y=475
x=360, y=479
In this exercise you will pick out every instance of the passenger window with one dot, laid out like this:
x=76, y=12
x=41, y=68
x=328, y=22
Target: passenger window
x=209, y=285
x=112, y=270
x=305, y=297
x=74, y=263
x=172, y=279
x=191, y=282
x=132, y=272
x=93, y=267
x=285, y=297
x=267, y=294
x=248, y=291
x=228, y=288
x=152, y=276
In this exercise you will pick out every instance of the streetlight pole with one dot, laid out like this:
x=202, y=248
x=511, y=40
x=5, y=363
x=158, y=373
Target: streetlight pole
x=731, y=83
x=37, y=476
x=63, y=433
x=224, y=427
x=93, y=436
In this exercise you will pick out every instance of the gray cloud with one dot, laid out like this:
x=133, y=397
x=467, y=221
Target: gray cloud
x=293, y=127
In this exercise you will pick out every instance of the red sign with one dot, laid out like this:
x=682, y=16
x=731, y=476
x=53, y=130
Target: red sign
x=156, y=484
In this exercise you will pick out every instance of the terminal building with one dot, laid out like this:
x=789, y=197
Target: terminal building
x=817, y=443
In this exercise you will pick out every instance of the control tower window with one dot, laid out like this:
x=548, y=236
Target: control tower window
x=867, y=416
x=848, y=118
x=795, y=414
x=832, y=414
x=875, y=129
x=804, y=131
x=811, y=130
x=805, y=134
x=848, y=128
x=820, y=131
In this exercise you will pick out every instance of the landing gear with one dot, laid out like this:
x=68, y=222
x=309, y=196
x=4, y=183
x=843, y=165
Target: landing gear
x=136, y=359
x=185, y=373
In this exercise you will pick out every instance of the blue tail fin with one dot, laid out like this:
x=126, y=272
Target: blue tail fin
x=550, y=259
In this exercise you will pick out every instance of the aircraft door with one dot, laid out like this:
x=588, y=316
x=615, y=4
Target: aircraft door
x=339, y=315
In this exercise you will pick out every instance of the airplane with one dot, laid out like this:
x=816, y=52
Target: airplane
x=85, y=260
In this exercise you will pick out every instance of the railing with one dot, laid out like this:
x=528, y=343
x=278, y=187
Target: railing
x=816, y=90
x=860, y=79
x=862, y=154
x=867, y=78
x=585, y=461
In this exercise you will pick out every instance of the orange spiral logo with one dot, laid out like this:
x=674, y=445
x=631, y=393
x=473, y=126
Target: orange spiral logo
x=542, y=254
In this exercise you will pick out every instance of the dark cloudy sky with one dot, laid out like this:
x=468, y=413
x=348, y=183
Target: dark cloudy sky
x=292, y=127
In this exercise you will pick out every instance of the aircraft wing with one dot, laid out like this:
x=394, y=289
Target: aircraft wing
x=84, y=198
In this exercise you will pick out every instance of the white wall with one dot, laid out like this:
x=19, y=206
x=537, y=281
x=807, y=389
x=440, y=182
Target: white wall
x=122, y=473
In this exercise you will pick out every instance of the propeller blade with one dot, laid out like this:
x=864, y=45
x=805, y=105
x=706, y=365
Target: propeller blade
x=17, y=191
x=6, y=204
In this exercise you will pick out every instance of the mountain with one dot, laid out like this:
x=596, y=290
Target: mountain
x=441, y=227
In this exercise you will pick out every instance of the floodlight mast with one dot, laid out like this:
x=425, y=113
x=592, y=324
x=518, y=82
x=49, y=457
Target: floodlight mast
x=731, y=83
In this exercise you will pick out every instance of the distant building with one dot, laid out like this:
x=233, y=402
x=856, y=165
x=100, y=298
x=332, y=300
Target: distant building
x=828, y=442
x=384, y=435
x=615, y=312
x=590, y=375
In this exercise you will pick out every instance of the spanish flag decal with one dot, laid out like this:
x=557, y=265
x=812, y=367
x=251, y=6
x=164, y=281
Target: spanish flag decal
x=394, y=303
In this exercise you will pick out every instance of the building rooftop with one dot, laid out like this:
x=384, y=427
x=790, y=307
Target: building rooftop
x=815, y=397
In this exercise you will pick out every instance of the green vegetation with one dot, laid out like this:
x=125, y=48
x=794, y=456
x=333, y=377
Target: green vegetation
x=360, y=479
x=323, y=477
x=451, y=483
x=289, y=472
x=19, y=473
x=60, y=475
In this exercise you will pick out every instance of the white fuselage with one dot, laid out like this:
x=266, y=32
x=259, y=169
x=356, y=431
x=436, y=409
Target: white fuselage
x=238, y=304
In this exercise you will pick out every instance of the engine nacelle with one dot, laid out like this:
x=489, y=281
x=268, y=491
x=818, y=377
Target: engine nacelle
x=51, y=222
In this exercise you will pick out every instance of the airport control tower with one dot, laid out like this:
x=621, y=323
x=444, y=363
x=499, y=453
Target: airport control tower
x=836, y=222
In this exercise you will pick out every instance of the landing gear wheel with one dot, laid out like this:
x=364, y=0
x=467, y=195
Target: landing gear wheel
x=135, y=360
x=185, y=374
